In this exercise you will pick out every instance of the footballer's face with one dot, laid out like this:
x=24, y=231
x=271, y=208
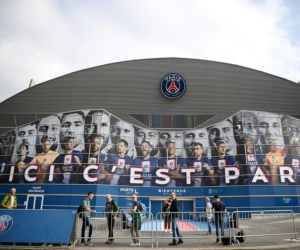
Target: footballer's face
x=9, y=142
x=27, y=135
x=171, y=149
x=48, y=128
x=22, y=151
x=245, y=126
x=197, y=151
x=298, y=150
x=269, y=128
x=292, y=128
x=273, y=146
x=145, y=149
x=200, y=136
x=121, y=148
x=147, y=135
x=122, y=130
x=222, y=132
x=46, y=146
x=72, y=127
x=175, y=137
x=95, y=145
x=98, y=125
x=221, y=149
x=70, y=144
x=249, y=146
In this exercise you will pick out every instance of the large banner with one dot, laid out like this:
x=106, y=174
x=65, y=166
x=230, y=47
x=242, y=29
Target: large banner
x=95, y=147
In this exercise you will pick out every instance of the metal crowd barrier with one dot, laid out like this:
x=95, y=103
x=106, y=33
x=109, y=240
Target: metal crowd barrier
x=194, y=225
x=122, y=228
x=262, y=223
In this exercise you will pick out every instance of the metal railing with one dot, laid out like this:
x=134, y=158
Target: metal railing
x=233, y=228
x=122, y=227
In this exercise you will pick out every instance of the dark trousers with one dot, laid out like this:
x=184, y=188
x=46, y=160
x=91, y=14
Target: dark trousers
x=86, y=222
x=110, y=226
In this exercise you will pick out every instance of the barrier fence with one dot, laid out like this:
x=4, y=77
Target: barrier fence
x=232, y=227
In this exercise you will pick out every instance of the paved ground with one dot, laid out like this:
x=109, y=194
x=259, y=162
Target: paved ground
x=196, y=241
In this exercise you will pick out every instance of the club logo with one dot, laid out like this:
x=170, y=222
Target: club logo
x=6, y=223
x=172, y=86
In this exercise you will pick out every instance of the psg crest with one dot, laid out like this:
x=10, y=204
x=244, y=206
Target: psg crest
x=6, y=223
x=172, y=86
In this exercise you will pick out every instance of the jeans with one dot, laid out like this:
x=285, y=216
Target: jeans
x=219, y=223
x=86, y=222
x=175, y=229
x=134, y=230
x=209, y=225
x=110, y=226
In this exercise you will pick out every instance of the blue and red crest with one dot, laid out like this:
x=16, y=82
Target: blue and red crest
x=6, y=223
x=172, y=86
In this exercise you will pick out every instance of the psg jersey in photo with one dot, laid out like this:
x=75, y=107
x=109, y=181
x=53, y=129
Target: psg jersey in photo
x=219, y=166
x=149, y=168
x=116, y=166
x=294, y=162
x=66, y=167
x=199, y=177
x=89, y=160
x=254, y=164
x=172, y=164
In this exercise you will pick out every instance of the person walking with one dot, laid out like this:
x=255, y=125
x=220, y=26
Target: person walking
x=218, y=208
x=112, y=210
x=86, y=220
x=10, y=201
x=166, y=215
x=174, y=209
x=208, y=214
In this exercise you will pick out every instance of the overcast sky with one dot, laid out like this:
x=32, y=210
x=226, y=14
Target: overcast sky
x=44, y=39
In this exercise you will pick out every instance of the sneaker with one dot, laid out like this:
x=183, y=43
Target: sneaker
x=173, y=243
x=208, y=234
x=132, y=244
x=83, y=243
x=108, y=242
x=89, y=243
x=180, y=242
x=138, y=244
x=217, y=242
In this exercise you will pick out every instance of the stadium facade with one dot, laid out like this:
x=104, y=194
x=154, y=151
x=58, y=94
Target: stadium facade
x=132, y=127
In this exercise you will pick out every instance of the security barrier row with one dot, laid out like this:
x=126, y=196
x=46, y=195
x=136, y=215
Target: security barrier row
x=233, y=227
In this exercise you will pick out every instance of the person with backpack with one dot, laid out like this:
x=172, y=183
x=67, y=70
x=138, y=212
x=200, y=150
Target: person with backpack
x=10, y=201
x=136, y=221
x=208, y=214
x=86, y=220
x=219, y=207
x=112, y=210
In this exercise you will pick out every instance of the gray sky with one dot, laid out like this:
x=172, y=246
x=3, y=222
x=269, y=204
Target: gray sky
x=44, y=39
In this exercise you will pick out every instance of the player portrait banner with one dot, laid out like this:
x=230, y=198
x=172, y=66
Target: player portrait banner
x=96, y=147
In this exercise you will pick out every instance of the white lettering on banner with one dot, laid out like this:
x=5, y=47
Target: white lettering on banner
x=27, y=175
x=51, y=173
x=11, y=175
x=86, y=173
x=135, y=178
x=188, y=172
x=36, y=189
x=160, y=174
x=229, y=176
x=288, y=175
x=259, y=175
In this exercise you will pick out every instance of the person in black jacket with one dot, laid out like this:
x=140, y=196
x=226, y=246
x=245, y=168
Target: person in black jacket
x=219, y=208
x=174, y=209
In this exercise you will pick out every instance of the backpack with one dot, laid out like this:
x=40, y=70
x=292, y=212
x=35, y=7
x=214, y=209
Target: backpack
x=142, y=210
x=79, y=211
